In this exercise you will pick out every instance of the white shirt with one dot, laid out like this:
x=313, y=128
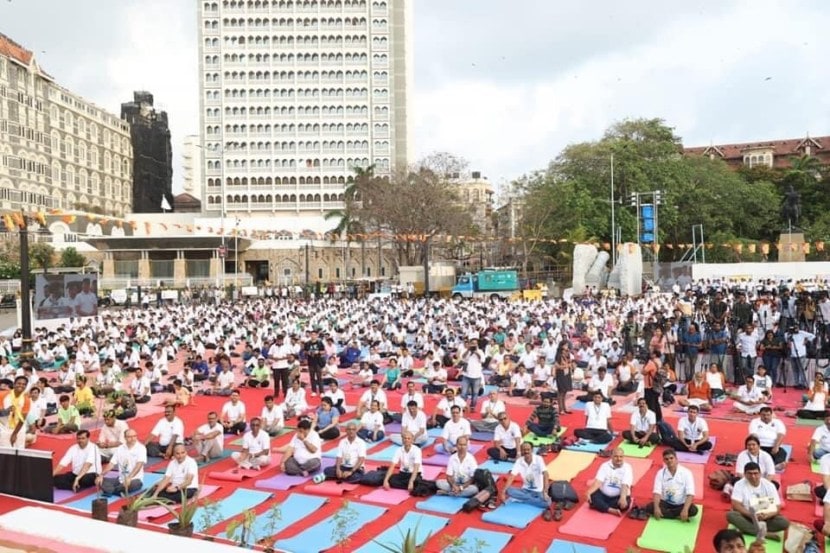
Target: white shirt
x=165, y=429
x=461, y=471
x=177, y=472
x=417, y=397
x=598, y=415
x=407, y=459
x=225, y=379
x=824, y=465
x=273, y=415
x=491, y=409
x=444, y=406
x=372, y=421
x=767, y=433
x=413, y=424
x=296, y=399
x=674, y=489
x=692, y=431
x=821, y=435
x=521, y=381
x=75, y=458
x=506, y=437
x=454, y=430
x=301, y=453
x=233, y=412
x=256, y=444
x=759, y=497
x=614, y=478
x=763, y=459
x=369, y=396
x=219, y=438
x=349, y=452
x=125, y=459
x=531, y=473
x=746, y=394
x=642, y=423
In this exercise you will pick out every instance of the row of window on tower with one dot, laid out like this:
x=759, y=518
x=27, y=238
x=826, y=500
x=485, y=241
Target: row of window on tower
x=300, y=5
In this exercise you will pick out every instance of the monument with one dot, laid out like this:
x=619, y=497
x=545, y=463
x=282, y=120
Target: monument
x=791, y=241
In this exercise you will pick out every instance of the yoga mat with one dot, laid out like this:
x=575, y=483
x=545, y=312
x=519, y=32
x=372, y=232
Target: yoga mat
x=234, y=475
x=815, y=466
x=386, y=497
x=330, y=488
x=148, y=515
x=59, y=496
x=698, y=472
x=85, y=503
x=319, y=537
x=543, y=440
x=809, y=422
x=385, y=455
x=696, y=458
x=445, y=504
x=671, y=536
x=162, y=467
x=393, y=428
x=282, y=482
x=513, y=514
x=483, y=541
x=435, y=432
x=425, y=525
x=588, y=523
x=633, y=450
x=564, y=546
x=293, y=509
x=482, y=436
x=577, y=405
x=431, y=472
x=568, y=464
x=236, y=503
x=497, y=467
x=587, y=447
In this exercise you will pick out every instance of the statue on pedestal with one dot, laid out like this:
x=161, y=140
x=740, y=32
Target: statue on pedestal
x=791, y=207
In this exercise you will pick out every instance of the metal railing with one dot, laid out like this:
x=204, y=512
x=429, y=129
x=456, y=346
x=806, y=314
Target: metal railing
x=123, y=281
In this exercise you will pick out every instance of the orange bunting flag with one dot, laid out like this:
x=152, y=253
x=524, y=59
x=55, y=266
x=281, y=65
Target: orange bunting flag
x=751, y=248
x=40, y=217
x=7, y=220
x=819, y=246
x=805, y=248
x=90, y=217
x=18, y=219
x=765, y=248
x=68, y=219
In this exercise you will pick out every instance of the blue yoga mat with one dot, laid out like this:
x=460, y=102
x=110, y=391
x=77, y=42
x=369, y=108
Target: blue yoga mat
x=514, y=514
x=587, y=447
x=319, y=537
x=484, y=541
x=426, y=525
x=384, y=455
x=578, y=406
x=502, y=467
x=446, y=504
x=435, y=432
x=85, y=503
x=296, y=507
x=233, y=505
x=564, y=546
x=482, y=436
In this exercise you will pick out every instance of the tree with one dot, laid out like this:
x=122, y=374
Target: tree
x=71, y=258
x=41, y=256
x=348, y=225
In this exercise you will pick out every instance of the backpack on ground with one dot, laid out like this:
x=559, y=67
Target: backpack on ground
x=561, y=490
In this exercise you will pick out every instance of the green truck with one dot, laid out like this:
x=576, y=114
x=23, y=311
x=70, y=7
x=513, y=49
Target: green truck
x=493, y=284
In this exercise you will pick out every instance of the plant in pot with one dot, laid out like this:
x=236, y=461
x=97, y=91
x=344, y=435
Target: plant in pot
x=240, y=530
x=183, y=525
x=271, y=528
x=128, y=515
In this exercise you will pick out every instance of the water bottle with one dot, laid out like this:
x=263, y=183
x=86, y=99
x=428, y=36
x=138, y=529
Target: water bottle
x=319, y=478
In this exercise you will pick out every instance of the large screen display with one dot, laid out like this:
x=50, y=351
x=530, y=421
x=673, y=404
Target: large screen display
x=66, y=295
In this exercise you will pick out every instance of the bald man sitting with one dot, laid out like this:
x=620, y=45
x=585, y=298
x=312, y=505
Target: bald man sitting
x=610, y=491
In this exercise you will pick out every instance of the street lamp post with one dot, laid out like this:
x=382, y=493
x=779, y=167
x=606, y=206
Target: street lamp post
x=26, y=351
x=236, y=258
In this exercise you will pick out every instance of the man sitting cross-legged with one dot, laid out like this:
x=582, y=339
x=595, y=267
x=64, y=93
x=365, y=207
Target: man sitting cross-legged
x=643, y=429
x=693, y=434
x=506, y=440
x=535, y=480
x=209, y=439
x=129, y=460
x=460, y=470
x=454, y=429
x=413, y=421
x=771, y=432
x=544, y=421
x=167, y=432
x=756, y=504
x=598, y=428
x=674, y=490
x=256, y=448
x=351, y=455
x=302, y=455
x=409, y=458
x=182, y=475
x=611, y=490
x=234, y=415
x=84, y=461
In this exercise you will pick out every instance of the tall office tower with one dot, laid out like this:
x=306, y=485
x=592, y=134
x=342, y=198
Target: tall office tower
x=294, y=96
x=152, y=154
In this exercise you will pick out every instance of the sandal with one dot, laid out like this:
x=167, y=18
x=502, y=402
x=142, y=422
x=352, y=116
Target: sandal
x=568, y=505
x=557, y=513
x=546, y=515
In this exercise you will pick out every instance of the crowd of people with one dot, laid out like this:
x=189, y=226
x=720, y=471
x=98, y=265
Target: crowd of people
x=711, y=343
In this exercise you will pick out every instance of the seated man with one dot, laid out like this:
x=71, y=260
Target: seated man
x=140, y=387
x=820, y=441
x=749, y=398
x=753, y=453
x=209, y=439
x=643, y=430
x=337, y=397
x=756, y=505
x=111, y=435
x=371, y=424
x=167, y=432
x=256, y=448
x=15, y=406
x=454, y=429
x=625, y=377
x=601, y=382
x=535, y=480
x=544, y=421
x=260, y=374
x=521, y=383
x=442, y=410
x=273, y=417
x=374, y=393
x=413, y=421
x=610, y=491
x=69, y=419
x=295, y=403
x=598, y=429
x=460, y=470
x=674, y=490
x=693, y=434
x=770, y=431
x=129, y=459
x=436, y=376
x=698, y=393
x=84, y=461
x=490, y=411
x=408, y=457
x=303, y=454
x=181, y=476
x=506, y=440
x=234, y=415
x=351, y=455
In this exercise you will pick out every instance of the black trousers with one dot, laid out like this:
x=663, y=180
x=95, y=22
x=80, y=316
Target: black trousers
x=669, y=510
x=777, y=458
x=280, y=381
x=654, y=439
x=653, y=402
x=595, y=435
x=495, y=454
x=66, y=480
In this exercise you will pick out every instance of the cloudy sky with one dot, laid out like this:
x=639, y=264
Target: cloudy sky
x=505, y=84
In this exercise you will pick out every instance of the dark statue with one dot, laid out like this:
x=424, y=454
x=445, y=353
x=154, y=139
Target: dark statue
x=791, y=207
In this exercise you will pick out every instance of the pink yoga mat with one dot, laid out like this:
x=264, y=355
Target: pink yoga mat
x=330, y=487
x=148, y=515
x=386, y=497
x=700, y=481
x=639, y=468
x=16, y=540
x=588, y=523
x=234, y=475
x=431, y=472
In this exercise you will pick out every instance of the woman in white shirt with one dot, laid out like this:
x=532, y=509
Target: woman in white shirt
x=816, y=405
x=754, y=454
x=371, y=423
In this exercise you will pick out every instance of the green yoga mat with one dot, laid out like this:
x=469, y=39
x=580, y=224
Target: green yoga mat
x=809, y=422
x=633, y=450
x=672, y=536
x=543, y=440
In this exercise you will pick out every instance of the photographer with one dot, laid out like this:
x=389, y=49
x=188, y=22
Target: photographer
x=797, y=341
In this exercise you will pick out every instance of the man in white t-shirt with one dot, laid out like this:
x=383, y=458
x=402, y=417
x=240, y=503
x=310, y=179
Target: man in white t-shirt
x=411, y=395
x=303, y=454
x=820, y=441
x=374, y=393
x=273, y=417
x=454, y=429
x=491, y=408
x=351, y=455
x=674, y=490
x=442, y=410
x=460, y=469
x=643, y=426
x=234, y=415
x=128, y=459
x=749, y=398
x=83, y=461
x=507, y=437
x=770, y=432
x=535, y=480
x=409, y=458
x=756, y=505
x=167, y=432
x=413, y=421
x=692, y=433
x=256, y=448
x=181, y=477
x=598, y=428
x=611, y=490
x=209, y=439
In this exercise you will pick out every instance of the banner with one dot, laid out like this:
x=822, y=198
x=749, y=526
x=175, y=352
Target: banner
x=669, y=274
x=66, y=295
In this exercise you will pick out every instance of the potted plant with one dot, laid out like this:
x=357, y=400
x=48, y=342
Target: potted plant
x=183, y=525
x=240, y=530
x=128, y=514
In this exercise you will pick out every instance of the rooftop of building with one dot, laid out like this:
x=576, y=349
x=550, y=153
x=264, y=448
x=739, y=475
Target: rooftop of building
x=791, y=146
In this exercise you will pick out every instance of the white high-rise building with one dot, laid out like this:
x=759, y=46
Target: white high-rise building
x=294, y=96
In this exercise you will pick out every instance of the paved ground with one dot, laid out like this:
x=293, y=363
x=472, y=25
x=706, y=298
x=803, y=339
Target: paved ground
x=8, y=321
